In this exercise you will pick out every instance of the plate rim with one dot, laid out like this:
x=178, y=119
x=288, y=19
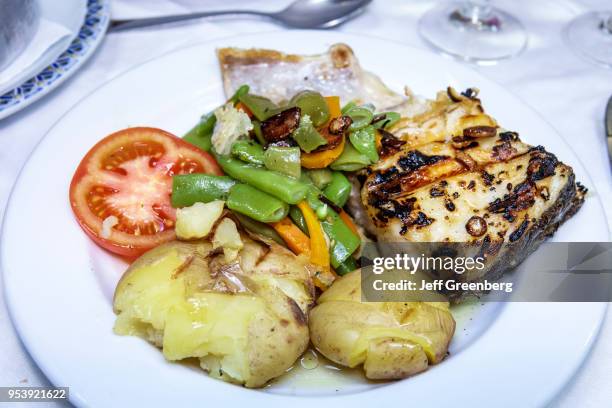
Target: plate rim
x=601, y=307
x=17, y=102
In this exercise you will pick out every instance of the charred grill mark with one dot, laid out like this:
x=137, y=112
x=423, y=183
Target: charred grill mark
x=518, y=233
x=393, y=209
x=471, y=185
x=450, y=206
x=466, y=160
x=487, y=178
x=436, y=192
x=508, y=136
x=521, y=198
x=541, y=164
x=422, y=220
x=413, y=160
x=479, y=131
x=463, y=142
x=503, y=152
x=403, y=211
x=389, y=143
x=476, y=226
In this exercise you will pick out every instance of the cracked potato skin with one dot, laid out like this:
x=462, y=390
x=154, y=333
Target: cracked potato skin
x=392, y=340
x=244, y=320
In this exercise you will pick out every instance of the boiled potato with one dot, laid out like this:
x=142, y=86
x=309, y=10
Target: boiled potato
x=245, y=320
x=392, y=340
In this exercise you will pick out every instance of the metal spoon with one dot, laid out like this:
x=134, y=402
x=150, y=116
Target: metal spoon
x=299, y=14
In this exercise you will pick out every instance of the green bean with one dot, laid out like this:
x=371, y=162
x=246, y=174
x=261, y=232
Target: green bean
x=338, y=190
x=343, y=240
x=262, y=108
x=364, y=141
x=349, y=265
x=259, y=228
x=361, y=117
x=313, y=197
x=390, y=119
x=313, y=104
x=258, y=133
x=298, y=218
x=242, y=90
x=188, y=189
x=306, y=136
x=314, y=201
x=248, y=151
x=350, y=160
x=348, y=107
x=278, y=185
x=320, y=177
x=254, y=203
x=285, y=160
x=201, y=133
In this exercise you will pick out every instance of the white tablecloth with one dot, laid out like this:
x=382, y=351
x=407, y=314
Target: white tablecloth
x=569, y=92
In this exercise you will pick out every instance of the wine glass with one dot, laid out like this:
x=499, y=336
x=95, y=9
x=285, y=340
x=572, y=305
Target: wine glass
x=590, y=35
x=473, y=31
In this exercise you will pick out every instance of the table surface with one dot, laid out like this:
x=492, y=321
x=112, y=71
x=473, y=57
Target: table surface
x=569, y=93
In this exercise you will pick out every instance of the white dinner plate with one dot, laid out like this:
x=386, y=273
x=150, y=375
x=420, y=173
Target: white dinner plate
x=59, y=284
x=87, y=20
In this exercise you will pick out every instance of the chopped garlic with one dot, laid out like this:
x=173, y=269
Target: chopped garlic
x=227, y=237
x=107, y=226
x=197, y=221
x=231, y=125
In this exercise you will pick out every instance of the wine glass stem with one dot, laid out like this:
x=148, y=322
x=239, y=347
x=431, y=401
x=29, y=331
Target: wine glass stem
x=476, y=11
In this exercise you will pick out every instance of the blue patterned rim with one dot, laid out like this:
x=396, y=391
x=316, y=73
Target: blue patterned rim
x=81, y=48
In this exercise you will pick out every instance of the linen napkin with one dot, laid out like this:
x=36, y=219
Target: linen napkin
x=48, y=34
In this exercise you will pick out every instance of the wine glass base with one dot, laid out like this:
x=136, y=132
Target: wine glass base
x=586, y=36
x=500, y=36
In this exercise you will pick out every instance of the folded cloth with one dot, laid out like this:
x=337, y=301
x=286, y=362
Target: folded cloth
x=48, y=34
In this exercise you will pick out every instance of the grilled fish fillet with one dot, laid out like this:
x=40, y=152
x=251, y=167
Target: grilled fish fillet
x=279, y=76
x=463, y=181
x=448, y=172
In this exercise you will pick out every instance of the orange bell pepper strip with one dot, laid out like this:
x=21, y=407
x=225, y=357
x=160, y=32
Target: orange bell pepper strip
x=322, y=159
x=295, y=239
x=319, y=253
x=333, y=104
x=349, y=222
x=242, y=107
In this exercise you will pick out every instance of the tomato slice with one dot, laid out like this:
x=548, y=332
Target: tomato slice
x=126, y=179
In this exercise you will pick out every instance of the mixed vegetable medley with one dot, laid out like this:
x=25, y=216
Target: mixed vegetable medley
x=279, y=168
